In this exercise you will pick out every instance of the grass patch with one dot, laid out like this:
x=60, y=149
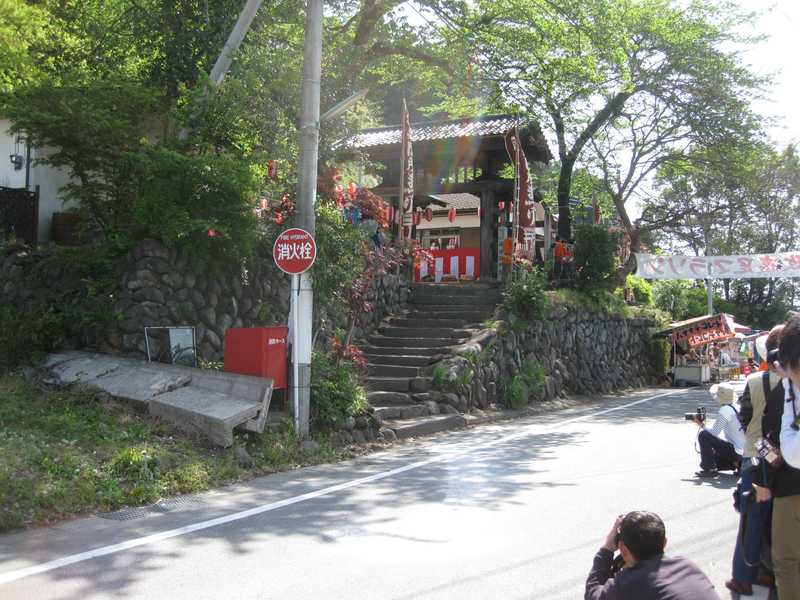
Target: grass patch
x=607, y=303
x=65, y=453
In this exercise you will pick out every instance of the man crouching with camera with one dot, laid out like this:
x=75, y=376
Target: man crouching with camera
x=721, y=447
x=645, y=573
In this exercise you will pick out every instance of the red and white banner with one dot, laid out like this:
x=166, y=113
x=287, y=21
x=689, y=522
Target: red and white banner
x=407, y=176
x=751, y=266
x=525, y=217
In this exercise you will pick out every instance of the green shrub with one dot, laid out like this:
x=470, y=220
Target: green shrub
x=440, y=377
x=642, y=290
x=595, y=258
x=525, y=295
x=659, y=356
x=335, y=392
x=516, y=392
x=134, y=464
x=178, y=198
x=74, y=290
x=529, y=380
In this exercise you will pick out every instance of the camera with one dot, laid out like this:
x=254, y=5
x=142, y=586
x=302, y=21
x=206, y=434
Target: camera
x=769, y=453
x=773, y=356
x=699, y=414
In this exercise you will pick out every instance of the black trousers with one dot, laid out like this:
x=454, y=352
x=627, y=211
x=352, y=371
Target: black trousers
x=716, y=453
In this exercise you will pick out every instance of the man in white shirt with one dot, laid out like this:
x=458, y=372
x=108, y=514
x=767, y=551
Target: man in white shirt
x=786, y=505
x=789, y=362
x=721, y=447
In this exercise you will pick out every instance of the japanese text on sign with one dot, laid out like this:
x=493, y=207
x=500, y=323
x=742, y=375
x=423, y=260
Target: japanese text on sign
x=294, y=251
x=779, y=264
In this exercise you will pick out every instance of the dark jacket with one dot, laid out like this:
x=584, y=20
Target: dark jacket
x=659, y=578
x=784, y=481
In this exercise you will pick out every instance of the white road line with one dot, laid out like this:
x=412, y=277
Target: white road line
x=18, y=574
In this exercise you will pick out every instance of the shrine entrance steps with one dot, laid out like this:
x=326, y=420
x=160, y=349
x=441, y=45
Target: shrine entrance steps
x=403, y=351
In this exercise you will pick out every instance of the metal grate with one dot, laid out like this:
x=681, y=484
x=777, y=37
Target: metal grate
x=161, y=507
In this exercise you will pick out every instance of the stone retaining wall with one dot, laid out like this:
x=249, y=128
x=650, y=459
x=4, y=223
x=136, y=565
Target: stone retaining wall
x=580, y=352
x=161, y=287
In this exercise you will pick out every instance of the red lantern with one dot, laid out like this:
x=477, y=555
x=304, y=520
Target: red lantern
x=429, y=214
x=451, y=214
x=272, y=169
x=212, y=233
x=339, y=195
x=351, y=190
x=501, y=205
x=417, y=218
x=278, y=218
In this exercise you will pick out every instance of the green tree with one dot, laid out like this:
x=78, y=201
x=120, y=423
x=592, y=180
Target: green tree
x=579, y=64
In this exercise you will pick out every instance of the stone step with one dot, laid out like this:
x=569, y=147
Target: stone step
x=392, y=371
x=455, y=300
x=423, y=332
x=377, y=399
x=399, y=359
x=448, y=311
x=411, y=322
x=388, y=384
x=409, y=411
x=420, y=426
x=407, y=343
x=466, y=287
x=433, y=353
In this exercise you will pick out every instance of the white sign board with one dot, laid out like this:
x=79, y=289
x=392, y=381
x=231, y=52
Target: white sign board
x=751, y=266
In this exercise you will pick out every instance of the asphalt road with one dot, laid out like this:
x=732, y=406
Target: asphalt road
x=510, y=510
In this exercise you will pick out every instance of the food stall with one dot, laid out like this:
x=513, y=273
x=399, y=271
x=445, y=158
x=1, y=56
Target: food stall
x=692, y=361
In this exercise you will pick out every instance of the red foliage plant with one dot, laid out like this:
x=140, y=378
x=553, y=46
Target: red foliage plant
x=349, y=352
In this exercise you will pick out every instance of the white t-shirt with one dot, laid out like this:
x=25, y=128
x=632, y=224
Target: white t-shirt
x=727, y=427
x=790, y=438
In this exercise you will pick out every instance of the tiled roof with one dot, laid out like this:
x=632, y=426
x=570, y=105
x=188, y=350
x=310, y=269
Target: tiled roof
x=435, y=130
x=459, y=201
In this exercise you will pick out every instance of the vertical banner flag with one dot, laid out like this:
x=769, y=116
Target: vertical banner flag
x=524, y=218
x=407, y=176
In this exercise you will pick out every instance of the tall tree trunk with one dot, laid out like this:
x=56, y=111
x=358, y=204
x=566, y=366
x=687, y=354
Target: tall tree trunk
x=564, y=185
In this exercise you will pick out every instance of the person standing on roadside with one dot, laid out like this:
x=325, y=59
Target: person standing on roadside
x=780, y=478
x=754, y=515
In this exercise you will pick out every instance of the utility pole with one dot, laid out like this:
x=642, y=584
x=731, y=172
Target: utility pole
x=303, y=298
x=225, y=58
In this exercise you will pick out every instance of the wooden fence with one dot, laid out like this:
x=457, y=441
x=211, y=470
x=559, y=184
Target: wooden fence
x=19, y=214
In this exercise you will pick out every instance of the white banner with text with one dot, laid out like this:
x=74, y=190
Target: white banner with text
x=751, y=266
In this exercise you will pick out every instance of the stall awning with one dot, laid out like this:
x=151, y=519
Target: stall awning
x=700, y=331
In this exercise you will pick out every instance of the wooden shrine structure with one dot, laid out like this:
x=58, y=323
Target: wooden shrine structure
x=457, y=171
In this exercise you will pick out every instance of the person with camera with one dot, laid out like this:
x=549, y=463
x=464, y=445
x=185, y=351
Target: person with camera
x=721, y=447
x=647, y=573
x=779, y=478
x=754, y=516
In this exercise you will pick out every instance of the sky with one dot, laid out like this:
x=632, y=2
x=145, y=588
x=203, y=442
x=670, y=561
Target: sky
x=780, y=55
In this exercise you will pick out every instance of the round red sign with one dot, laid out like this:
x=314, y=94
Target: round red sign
x=294, y=251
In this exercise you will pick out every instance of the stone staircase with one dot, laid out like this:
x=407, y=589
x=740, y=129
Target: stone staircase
x=405, y=347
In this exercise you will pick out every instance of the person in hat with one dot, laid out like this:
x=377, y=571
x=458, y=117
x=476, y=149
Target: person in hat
x=721, y=446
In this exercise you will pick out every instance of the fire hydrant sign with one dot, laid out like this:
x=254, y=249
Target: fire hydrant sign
x=294, y=251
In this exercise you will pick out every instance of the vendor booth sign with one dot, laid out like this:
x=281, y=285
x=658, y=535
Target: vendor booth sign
x=710, y=329
x=779, y=264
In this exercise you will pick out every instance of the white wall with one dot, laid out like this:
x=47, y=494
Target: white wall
x=8, y=176
x=49, y=180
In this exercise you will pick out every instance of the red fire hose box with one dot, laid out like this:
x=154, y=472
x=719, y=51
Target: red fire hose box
x=259, y=351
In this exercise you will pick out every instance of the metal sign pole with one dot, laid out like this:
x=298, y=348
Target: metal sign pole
x=295, y=354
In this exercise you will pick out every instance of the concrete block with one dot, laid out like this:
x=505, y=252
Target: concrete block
x=211, y=414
